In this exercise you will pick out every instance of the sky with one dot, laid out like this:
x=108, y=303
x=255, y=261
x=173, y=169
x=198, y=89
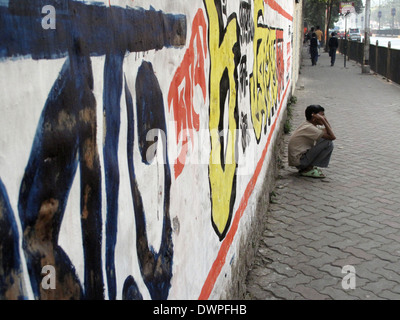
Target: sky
x=375, y=3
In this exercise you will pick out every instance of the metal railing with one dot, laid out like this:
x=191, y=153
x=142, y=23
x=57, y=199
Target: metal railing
x=382, y=60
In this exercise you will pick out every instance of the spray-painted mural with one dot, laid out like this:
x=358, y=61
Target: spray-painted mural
x=133, y=134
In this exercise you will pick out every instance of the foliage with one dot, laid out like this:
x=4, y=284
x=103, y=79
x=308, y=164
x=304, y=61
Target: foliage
x=288, y=125
x=315, y=11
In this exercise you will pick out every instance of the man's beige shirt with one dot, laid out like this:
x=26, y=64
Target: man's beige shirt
x=302, y=139
x=319, y=34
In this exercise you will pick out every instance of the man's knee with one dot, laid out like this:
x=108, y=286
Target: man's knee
x=327, y=144
x=330, y=145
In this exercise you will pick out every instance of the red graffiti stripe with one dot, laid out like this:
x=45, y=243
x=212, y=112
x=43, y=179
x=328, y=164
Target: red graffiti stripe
x=226, y=244
x=275, y=6
x=180, y=96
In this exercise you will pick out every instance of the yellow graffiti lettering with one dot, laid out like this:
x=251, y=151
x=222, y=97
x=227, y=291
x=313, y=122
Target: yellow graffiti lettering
x=224, y=54
x=263, y=81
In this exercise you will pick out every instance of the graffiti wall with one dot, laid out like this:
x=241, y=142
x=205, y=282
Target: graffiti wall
x=134, y=136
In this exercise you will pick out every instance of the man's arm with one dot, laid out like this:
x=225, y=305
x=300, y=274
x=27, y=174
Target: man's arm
x=328, y=132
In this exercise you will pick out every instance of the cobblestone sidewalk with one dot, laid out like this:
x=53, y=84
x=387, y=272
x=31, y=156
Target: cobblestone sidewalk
x=351, y=219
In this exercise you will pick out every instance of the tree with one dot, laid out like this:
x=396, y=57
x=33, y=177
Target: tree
x=325, y=13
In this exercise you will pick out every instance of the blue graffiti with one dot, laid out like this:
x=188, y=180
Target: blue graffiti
x=156, y=267
x=65, y=140
x=10, y=260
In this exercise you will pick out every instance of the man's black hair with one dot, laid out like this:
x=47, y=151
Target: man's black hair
x=314, y=108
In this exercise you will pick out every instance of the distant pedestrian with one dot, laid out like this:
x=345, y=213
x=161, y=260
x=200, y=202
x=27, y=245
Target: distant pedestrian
x=310, y=145
x=305, y=36
x=319, y=34
x=333, y=45
x=309, y=35
x=314, y=49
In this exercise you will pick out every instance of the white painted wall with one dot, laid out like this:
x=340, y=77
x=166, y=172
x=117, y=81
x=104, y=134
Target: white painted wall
x=197, y=250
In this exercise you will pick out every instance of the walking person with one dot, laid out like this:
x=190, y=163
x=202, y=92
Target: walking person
x=310, y=145
x=306, y=37
x=319, y=34
x=314, y=49
x=309, y=36
x=333, y=45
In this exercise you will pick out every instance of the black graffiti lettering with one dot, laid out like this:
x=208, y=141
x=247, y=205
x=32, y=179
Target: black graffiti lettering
x=246, y=23
x=243, y=76
x=243, y=127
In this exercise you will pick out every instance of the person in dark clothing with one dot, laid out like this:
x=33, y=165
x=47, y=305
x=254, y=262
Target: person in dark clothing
x=309, y=35
x=333, y=45
x=314, y=49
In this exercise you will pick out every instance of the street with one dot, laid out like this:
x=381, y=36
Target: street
x=383, y=42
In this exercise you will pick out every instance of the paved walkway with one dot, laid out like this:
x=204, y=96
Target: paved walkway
x=351, y=218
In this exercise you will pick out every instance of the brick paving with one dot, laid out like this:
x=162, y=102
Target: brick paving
x=316, y=227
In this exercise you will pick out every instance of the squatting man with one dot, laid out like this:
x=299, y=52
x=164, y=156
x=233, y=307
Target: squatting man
x=310, y=145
